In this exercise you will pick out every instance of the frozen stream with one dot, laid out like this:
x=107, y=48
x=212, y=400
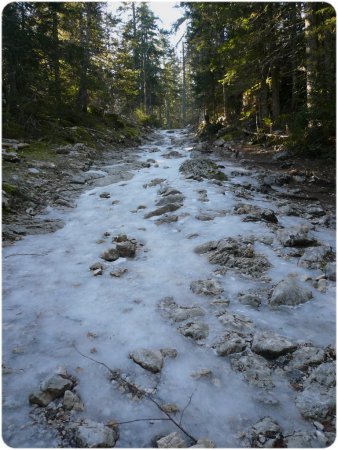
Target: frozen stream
x=52, y=301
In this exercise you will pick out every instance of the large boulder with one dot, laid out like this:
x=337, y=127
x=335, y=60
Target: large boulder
x=289, y=292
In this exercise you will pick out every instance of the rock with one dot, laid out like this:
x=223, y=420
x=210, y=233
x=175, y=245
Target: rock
x=238, y=254
x=172, y=440
x=305, y=357
x=33, y=170
x=266, y=433
x=314, y=404
x=231, y=343
x=118, y=273
x=199, y=168
x=203, y=373
x=126, y=249
x=72, y=401
x=180, y=313
x=195, y=330
x=203, y=443
x=315, y=258
x=254, y=368
x=168, y=190
x=177, y=198
x=169, y=352
x=96, y=266
x=151, y=360
x=95, y=435
x=236, y=322
x=318, y=400
x=170, y=408
x=219, y=142
x=296, y=237
x=167, y=218
x=97, y=272
x=205, y=248
x=271, y=345
x=322, y=285
x=323, y=375
x=302, y=439
x=206, y=287
x=104, y=195
x=172, y=154
x=110, y=255
x=170, y=207
x=10, y=157
x=249, y=299
x=289, y=292
x=40, y=398
x=56, y=385
x=330, y=271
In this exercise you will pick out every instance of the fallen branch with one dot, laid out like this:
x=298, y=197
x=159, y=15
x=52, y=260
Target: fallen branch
x=186, y=406
x=25, y=254
x=139, y=392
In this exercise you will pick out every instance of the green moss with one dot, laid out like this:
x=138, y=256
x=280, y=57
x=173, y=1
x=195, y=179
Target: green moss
x=10, y=189
x=217, y=175
x=38, y=150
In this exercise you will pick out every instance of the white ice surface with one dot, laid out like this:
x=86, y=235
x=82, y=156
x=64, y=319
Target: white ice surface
x=51, y=301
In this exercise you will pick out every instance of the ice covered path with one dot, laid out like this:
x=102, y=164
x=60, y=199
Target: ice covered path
x=209, y=306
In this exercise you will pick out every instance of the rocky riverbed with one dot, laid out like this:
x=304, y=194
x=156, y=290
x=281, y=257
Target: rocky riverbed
x=187, y=301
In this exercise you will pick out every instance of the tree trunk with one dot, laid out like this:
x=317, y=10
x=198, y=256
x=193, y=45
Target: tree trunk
x=263, y=97
x=311, y=59
x=56, y=62
x=184, y=88
x=85, y=40
x=275, y=94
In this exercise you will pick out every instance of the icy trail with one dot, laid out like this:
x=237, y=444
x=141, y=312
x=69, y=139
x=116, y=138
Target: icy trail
x=51, y=301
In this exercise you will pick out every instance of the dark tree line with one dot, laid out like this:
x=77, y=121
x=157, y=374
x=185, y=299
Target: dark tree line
x=262, y=66
x=73, y=58
x=265, y=65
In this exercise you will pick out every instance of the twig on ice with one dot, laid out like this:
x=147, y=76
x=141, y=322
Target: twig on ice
x=140, y=393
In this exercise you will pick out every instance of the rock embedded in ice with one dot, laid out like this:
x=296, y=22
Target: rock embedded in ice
x=254, y=368
x=250, y=299
x=40, y=398
x=296, y=237
x=169, y=352
x=306, y=356
x=167, y=218
x=126, y=249
x=330, y=271
x=315, y=257
x=303, y=439
x=317, y=405
x=177, y=198
x=231, y=343
x=266, y=433
x=105, y=195
x=170, y=408
x=172, y=440
x=151, y=360
x=289, y=292
x=72, y=401
x=195, y=330
x=180, y=314
x=95, y=435
x=56, y=385
x=205, y=248
x=170, y=207
x=237, y=322
x=206, y=287
x=203, y=443
x=118, y=273
x=110, y=255
x=271, y=345
x=318, y=399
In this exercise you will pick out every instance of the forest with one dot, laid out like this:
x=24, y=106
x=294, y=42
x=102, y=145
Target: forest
x=264, y=67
